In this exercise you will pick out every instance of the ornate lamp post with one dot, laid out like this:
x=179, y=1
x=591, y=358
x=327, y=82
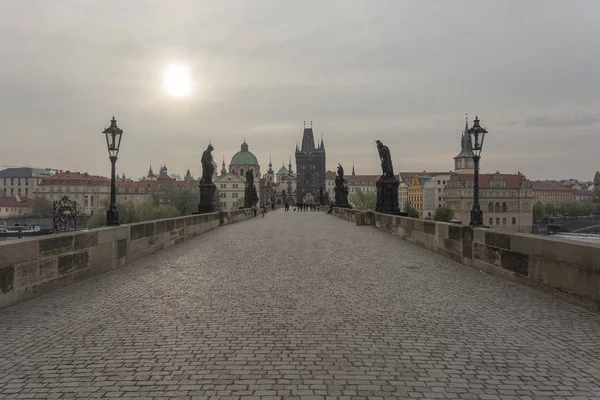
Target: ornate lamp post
x=476, y=135
x=113, y=141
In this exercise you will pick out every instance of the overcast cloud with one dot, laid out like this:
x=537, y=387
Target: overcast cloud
x=404, y=72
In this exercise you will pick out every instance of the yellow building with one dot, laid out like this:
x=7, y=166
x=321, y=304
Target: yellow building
x=552, y=192
x=14, y=206
x=415, y=193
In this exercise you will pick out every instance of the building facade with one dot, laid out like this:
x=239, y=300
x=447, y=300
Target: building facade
x=231, y=190
x=402, y=196
x=506, y=200
x=136, y=192
x=583, y=196
x=21, y=181
x=552, y=192
x=14, y=206
x=88, y=191
x=310, y=167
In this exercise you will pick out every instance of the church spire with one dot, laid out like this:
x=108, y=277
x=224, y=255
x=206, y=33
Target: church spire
x=353, y=173
x=270, y=171
x=223, y=170
x=466, y=150
x=290, y=166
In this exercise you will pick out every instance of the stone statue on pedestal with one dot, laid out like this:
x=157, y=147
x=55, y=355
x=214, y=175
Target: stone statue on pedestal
x=208, y=166
x=341, y=190
x=387, y=185
x=386, y=160
x=250, y=195
x=207, y=187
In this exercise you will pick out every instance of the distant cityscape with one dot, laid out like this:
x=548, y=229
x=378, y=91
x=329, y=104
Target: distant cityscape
x=507, y=199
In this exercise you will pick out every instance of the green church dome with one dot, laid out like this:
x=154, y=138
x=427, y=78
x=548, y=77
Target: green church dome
x=244, y=157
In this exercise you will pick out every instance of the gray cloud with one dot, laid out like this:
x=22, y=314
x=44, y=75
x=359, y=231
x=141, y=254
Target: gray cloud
x=546, y=121
x=400, y=71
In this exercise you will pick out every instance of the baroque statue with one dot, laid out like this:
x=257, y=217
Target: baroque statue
x=386, y=160
x=341, y=190
x=208, y=167
x=250, y=177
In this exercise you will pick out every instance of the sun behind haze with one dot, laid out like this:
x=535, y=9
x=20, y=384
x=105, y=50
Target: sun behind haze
x=177, y=80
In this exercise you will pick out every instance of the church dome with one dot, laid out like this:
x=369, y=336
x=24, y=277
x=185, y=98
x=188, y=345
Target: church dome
x=244, y=157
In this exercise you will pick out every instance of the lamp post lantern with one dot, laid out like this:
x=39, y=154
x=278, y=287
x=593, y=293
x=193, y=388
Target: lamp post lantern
x=113, y=141
x=476, y=135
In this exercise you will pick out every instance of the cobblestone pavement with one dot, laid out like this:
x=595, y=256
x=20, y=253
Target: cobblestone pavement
x=299, y=305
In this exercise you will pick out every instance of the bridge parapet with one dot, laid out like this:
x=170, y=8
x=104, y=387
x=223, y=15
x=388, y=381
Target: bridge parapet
x=33, y=266
x=567, y=268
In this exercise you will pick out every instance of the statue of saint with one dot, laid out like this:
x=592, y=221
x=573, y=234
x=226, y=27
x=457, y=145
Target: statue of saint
x=386, y=160
x=208, y=167
x=250, y=177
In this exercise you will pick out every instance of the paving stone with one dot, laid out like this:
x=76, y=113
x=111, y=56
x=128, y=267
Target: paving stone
x=298, y=305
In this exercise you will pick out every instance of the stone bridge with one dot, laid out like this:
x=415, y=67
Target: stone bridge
x=296, y=305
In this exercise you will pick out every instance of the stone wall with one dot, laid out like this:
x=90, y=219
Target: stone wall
x=30, y=267
x=564, y=267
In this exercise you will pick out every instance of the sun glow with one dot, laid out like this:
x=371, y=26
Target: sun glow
x=176, y=81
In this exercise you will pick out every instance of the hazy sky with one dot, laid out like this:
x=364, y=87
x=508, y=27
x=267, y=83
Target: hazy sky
x=404, y=72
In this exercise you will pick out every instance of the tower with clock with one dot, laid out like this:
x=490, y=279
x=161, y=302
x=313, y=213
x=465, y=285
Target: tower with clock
x=463, y=162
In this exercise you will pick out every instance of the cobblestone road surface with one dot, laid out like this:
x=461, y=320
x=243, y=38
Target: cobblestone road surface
x=298, y=305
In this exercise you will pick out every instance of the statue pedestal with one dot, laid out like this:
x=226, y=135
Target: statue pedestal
x=341, y=197
x=387, y=196
x=207, y=198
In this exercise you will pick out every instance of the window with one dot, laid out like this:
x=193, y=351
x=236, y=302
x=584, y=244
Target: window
x=26, y=181
x=223, y=185
x=504, y=221
x=19, y=180
x=514, y=221
x=444, y=182
x=12, y=191
x=26, y=191
x=241, y=171
x=235, y=185
x=234, y=195
x=223, y=195
x=491, y=206
x=19, y=191
x=497, y=208
x=497, y=221
x=439, y=190
x=504, y=207
x=12, y=181
x=438, y=182
x=491, y=221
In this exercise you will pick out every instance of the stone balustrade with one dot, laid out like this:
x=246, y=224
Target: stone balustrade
x=567, y=268
x=33, y=266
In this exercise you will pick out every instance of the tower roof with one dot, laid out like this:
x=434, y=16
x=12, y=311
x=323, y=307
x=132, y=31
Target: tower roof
x=308, y=139
x=244, y=157
x=466, y=149
x=282, y=171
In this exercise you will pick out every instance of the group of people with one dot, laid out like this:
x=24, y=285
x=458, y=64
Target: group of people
x=262, y=209
x=303, y=206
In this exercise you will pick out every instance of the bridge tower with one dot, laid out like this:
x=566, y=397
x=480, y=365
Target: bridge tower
x=310, y=166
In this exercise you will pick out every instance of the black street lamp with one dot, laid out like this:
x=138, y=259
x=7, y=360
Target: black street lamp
x=476, y=135
x=113, y=141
